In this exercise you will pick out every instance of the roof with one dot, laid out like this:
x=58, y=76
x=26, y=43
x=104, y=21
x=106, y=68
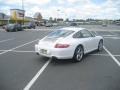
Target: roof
x=73, y=28
x=18, y=9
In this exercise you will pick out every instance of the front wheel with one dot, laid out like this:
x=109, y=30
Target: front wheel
x=100, y=45
x=78, y=55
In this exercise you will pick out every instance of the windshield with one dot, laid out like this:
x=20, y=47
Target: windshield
x=11, y=25
x=60, y=33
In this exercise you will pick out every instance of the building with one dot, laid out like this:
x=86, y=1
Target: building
x=17, y=14
x=4, y=19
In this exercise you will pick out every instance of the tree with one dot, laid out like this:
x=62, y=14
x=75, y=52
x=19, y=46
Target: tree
x=15, y=16
x=3, y=15
x=38, y=16
x=50, y=19
x=67, y=20
x=55, y=20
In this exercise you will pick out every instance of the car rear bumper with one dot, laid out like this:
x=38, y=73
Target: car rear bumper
x=54, y=52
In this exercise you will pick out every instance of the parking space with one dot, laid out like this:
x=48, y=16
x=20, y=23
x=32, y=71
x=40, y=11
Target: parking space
x=29, y=47
x=20, y=66
x=1, y=51
x=112, y=41
x=117, y=33
x=93, y=73
x=113, y=46
x=118, y=58
x=16, y=69
x=104, y=33
x=20, y=38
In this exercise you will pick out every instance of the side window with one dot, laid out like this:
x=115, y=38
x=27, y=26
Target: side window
x=77, y=35
x=86, y=33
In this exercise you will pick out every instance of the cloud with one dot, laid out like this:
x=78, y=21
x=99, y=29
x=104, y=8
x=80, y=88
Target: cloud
x=81, y=9
x=6, y=10
x=29, y=2
x=10, y=2
x=37, y=2
x=72, y=1
x=61, y=1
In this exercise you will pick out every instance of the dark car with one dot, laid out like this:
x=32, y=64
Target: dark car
x=25, y=26
x=73, y=24
x=31, y=25
x=13, y=27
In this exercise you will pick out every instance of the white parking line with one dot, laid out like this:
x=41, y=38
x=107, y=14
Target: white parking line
x=99, y=54
x=6, y=40
x=48, y=29
x=18, y=47
x=112, y=56
x=3, y=50
x=29, y=85
x=23, y=51
x=113, y=33
x=105, y=30
x=18, y=51
x=109, y=35
x=117, y=55
x=116, y=38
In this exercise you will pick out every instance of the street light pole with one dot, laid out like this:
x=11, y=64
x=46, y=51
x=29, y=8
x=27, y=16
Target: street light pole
x=23, y=11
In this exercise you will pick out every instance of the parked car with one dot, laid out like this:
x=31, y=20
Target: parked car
x=73, y=24
x=25, y=26
x=55, y=24
x=69, y=42
x=48, y=24
x=13, y=27
x=31, y=25
x=104, y=25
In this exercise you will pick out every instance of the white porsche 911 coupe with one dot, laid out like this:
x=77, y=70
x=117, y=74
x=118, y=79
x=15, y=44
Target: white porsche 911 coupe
x=69, y=42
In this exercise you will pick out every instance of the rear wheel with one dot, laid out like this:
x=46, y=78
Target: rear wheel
x=78, y=55
x=100, y=45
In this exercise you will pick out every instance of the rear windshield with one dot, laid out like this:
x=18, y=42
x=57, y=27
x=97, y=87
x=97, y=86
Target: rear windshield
x=10, y=25
x=60, y=33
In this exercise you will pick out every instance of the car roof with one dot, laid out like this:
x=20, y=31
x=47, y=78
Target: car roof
x=73, y=28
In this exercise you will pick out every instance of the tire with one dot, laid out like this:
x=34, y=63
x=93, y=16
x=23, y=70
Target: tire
x=78, y=54
x=100, y=45
x=54, y=58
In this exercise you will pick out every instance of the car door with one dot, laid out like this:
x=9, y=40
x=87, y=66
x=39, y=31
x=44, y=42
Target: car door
x=78, y=36
x=89, y=40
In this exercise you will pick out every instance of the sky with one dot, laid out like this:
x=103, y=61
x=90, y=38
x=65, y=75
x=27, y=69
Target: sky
x=72, y=9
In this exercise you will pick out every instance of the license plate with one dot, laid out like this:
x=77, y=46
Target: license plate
x=43, y=51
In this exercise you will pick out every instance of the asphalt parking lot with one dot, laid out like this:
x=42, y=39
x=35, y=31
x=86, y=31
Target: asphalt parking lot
x=22, y=69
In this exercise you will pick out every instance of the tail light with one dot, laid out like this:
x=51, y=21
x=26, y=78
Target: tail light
x=62, y=45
